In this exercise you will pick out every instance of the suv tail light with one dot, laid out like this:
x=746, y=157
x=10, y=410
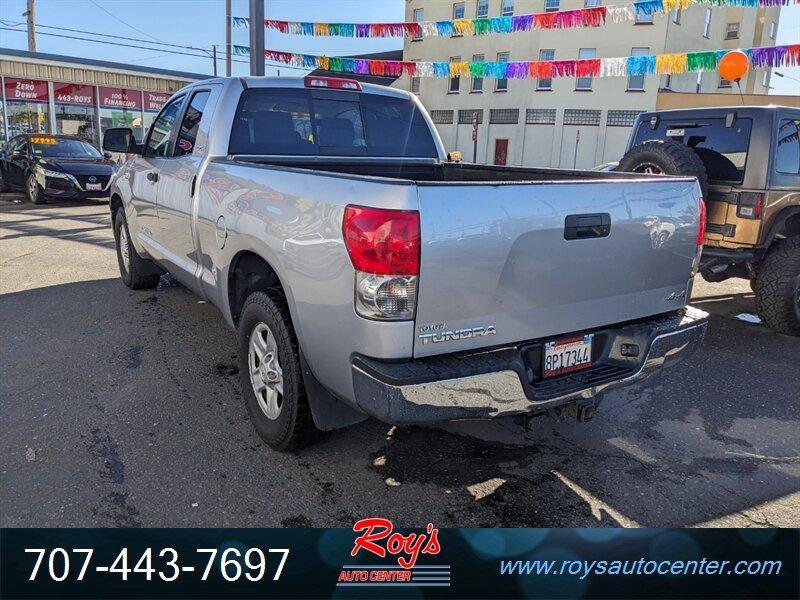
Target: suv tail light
x=384, y=247
x=334, y=83
x=749, y=205
x=701, y=229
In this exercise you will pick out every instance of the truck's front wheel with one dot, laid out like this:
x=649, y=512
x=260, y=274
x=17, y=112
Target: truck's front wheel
x=777, y=287
x=136, y=272
x=270, y=373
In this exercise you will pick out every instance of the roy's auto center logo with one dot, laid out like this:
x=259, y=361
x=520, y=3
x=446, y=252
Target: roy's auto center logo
x=404, y=557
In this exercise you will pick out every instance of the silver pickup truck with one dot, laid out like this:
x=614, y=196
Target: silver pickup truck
x=368, y=274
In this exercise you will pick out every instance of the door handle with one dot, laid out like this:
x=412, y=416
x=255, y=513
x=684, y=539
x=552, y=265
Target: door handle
x=152, y=176
x=581, y=227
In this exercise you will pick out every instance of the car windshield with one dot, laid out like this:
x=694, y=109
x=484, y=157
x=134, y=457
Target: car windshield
x=722, y=149
x=53, y=147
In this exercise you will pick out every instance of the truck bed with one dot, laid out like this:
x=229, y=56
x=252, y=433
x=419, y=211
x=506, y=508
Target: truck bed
x=426, y=171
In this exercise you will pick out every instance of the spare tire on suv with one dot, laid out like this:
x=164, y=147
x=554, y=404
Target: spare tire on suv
x=665, y=158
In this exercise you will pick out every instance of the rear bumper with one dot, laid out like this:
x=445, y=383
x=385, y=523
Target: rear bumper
x=503, y=382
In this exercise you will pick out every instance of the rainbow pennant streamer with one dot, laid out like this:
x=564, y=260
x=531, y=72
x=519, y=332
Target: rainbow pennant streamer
x=563, y=19
x=652, y=64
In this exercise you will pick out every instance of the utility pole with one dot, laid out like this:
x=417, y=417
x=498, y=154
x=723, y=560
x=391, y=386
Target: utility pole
x=256, y=37
x=228, y=38
x=214, y=58
x=31, y=14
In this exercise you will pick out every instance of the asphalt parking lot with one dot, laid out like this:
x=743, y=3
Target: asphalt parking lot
x=122, y=408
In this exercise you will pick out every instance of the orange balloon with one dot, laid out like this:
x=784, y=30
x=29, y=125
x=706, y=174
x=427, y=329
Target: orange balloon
x=733, y=65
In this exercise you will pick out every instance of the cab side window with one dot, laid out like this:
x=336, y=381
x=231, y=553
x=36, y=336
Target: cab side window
x=159, y=142
x=787, y=147
x=187, y=135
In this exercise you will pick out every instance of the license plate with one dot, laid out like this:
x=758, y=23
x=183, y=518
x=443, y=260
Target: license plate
x=94, y=186
x=567, y=355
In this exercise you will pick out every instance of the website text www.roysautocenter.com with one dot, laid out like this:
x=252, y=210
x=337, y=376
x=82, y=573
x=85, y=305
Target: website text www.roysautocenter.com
x=643, y=566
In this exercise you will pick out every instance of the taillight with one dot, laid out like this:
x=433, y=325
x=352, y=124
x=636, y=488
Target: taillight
x=701, y=228
x=749, y=205
x=384, y=247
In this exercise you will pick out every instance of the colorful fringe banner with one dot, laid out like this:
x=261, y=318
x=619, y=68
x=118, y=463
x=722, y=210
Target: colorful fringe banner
x=564, y=19
x=650, y=64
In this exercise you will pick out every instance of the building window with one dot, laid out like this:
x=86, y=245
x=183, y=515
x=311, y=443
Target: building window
x=765, y=79
x=482, y=9
x=585, y=83
x=699, y=83
x=504, y=116
x=546, y=83
x=592, y=3
x=477, y=82
x=622, y=118
x=501, y=85
x=121, y=107
x=732, y=31
x=707, y=24
x=551, y=5
x=676, y=16
x=540, y=116
x=724, y=83
x=642, y=17
x=415, y=85
x=454, y=82
x=773, y=30
x=442, y=117
x=458, y=10
x=75, y=109
x=668, y=82
x=27, y=102
x=580, y=116
x=507, y=8
x=636, y=82
x=419, y=17
x=465, y=116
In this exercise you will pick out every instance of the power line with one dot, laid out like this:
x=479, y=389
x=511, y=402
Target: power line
x=116, y=43
x=113, y=16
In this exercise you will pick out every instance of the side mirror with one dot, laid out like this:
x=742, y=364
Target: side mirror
x=107, y=155
x=120, y=139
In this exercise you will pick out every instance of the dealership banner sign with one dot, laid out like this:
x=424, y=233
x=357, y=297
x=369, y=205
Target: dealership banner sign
x=376, y=559
x=26, y=90
x=120, y=98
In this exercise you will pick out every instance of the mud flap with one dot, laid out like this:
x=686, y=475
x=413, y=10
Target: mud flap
x=327, y=410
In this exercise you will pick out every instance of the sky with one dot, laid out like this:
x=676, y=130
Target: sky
x=201, y=23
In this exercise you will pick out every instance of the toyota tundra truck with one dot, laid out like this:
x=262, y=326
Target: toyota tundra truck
x=369, y=273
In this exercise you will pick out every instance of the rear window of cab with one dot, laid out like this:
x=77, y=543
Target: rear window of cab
x=305, y=122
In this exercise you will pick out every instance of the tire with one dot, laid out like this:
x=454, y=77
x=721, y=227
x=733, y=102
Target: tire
x=135, y=271
x=777, y=287
x=280, y=413
x=33, y=190
x=665, y=157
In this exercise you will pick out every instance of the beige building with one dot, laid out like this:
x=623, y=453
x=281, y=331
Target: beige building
x=566, y=122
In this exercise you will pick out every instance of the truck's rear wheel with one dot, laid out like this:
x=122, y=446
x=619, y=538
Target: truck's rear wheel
x=777, y=287
x=271, y=375
x=134, y=270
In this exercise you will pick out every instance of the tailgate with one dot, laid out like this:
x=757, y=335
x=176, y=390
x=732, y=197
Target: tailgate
x=496, y=266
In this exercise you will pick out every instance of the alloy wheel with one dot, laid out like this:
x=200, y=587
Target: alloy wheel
x=266, y=375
